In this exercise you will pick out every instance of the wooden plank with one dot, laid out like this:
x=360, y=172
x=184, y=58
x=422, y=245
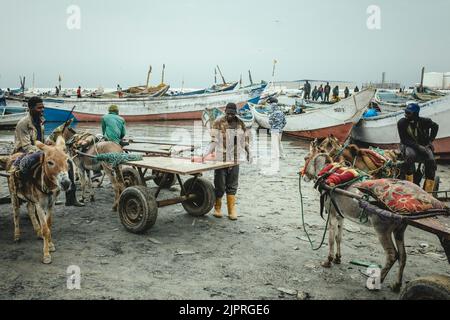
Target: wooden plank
x=149, y=148
x=439, y=226
x=179, y=166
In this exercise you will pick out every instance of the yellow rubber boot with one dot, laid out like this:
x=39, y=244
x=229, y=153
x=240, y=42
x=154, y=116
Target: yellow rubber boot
x=217, y=208
x=231, y=203
x=428, y=185
x=410, y=178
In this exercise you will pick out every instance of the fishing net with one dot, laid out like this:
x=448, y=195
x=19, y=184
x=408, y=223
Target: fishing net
x=116, y=159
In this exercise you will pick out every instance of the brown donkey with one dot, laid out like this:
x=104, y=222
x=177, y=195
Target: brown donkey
x=39, y=188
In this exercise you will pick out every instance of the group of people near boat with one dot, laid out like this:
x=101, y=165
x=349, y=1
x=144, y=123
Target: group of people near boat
x=323, y=92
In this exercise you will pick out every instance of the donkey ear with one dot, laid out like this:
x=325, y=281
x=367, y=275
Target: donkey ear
x=40, y=145
x=61, y=143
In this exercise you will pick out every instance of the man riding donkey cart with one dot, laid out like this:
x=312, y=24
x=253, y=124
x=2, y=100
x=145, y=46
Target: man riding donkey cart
x=389, y=205
x=37, y=173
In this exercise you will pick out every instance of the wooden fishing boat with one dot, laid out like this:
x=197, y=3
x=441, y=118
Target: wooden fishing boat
x=337, y=119
x=427, y=94
x=9, y=121
x=143, y=109
x=381, y=131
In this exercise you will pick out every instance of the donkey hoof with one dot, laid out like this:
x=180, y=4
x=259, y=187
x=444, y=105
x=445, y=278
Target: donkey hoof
x=326, y=264
x=337, y=260
x=51, y=247
x=114, y=209
x=92, y=199
x=17, y=239
x=396, y=287
x=47, y=259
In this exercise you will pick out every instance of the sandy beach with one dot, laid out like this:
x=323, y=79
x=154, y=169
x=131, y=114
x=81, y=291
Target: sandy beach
x=263, y=255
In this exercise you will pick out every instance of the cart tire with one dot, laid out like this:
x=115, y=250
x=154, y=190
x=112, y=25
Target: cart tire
x=205, y=197
x=164, y=180
x=138, y=209
x=131, y=177
x=436, y=287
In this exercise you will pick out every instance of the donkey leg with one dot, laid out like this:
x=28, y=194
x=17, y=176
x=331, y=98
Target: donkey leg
x=51, y=245
x=331, y=238
x=399, y=236
x=390, y=251
x=82, y=177
x=340, y=226
x=16, y=217
x=32, y=214
x=47, y=259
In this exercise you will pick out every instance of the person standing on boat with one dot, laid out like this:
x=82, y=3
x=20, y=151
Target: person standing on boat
x=119, y=91
x=336, y=93
x=327, y=91
x=356, y=90
x=228, y=137
x=416, y=144
x=57, y=91
x=31, y=129
x=346, y=93
x=113, y=125
x=307, y=91
x=314, y=93
x=320, y=93
x=79, y=92
x=277, y=122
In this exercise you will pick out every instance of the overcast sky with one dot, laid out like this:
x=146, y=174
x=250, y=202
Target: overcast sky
x=118, y=40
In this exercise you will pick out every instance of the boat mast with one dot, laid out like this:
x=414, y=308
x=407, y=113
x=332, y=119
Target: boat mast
x=223, y=79
x=164, y=69
x=273, y=72
x=215, y=76
x=240, y=82
x=250, y=77
x=148, y=76
x=421, y=79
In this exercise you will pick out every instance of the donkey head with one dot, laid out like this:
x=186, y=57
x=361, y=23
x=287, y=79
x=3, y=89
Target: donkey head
x=55, y=167
x=314, y=165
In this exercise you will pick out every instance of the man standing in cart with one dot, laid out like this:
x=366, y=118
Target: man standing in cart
x=228, y=135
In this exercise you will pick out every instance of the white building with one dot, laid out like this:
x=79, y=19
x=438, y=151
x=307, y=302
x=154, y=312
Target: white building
x=437, y=80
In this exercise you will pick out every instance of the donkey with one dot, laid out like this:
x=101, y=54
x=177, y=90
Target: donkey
x=350, y=209
x=363, y=159
x=86, y=164
x=40, y=190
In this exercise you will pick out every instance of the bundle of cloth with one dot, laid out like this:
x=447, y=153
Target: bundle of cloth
x=400, y=196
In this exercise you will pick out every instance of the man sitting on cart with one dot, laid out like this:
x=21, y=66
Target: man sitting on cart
x=416, y=137
x=228, y=136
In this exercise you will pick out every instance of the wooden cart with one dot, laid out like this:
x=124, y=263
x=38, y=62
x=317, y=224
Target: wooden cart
x=138, y=205
x=154, y=149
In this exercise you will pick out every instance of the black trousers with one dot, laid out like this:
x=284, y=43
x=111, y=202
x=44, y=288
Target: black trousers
x=226, y=181
x=412, y=156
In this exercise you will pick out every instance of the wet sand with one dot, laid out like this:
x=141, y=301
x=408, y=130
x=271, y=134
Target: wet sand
x=263, y=255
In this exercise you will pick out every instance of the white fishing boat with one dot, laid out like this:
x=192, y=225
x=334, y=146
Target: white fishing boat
x=144, y=109
x=9, y=121
x=337, y=119
x=381, y=131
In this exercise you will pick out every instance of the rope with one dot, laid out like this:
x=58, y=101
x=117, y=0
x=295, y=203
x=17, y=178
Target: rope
x=303, y=219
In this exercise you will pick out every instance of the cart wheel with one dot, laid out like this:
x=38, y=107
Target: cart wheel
x=164, y=180
x=436, y=287
x=205, y=199
x=131, y=177
x=138, y=209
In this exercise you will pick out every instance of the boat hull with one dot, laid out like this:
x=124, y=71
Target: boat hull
x=138, y=110
x=336, y=119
